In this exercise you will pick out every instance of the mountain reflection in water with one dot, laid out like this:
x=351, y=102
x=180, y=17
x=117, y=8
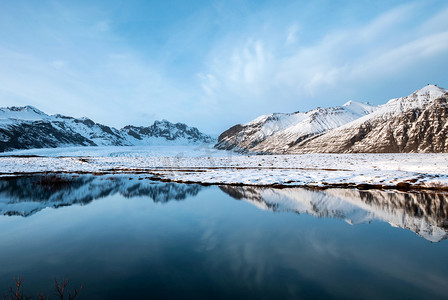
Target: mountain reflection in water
x=426, y=214
x=25, y=196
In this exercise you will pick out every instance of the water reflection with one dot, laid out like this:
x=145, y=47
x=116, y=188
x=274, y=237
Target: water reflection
x=25, y=196
x=214, y=247
x=426, y=214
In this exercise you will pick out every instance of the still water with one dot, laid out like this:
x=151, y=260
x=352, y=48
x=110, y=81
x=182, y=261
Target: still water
x=132, y=238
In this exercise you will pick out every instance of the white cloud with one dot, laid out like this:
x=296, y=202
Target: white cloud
x=251, y=74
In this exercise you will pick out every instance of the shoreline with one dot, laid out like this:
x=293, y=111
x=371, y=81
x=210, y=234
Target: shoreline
x=360, y=171
x=154, y=176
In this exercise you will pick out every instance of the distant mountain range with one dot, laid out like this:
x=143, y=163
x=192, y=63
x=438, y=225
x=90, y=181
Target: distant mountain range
x=27, y=127
x=416, y=123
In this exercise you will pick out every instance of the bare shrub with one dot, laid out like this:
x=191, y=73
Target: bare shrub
x=436, y=185
x=61, y=288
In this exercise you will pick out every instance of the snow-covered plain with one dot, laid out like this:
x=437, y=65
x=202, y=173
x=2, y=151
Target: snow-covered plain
x=192, y=150
x=204, y=164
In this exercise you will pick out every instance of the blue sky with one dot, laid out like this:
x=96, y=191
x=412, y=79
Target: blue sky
x=213, y=64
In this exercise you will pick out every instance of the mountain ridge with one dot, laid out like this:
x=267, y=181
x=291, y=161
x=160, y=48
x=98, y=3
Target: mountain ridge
x=27, y=127
x=273, y=132
x=414, y=123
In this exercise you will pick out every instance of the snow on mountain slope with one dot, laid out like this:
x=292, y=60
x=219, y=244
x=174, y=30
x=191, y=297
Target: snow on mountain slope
x=27, y=127
x=415, y=123
x=417, y=99
x=277, y=132
x=164, y=132
x=29, y=113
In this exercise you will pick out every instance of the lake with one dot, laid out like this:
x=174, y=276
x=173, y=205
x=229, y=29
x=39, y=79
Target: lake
x=126, y=237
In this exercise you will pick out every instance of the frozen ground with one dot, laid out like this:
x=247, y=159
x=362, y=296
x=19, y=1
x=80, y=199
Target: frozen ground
x=199, y=150
x=207, y=165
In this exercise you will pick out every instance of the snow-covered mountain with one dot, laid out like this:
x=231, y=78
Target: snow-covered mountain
x=164, y=131
x=423, y=213
x=416, y=123
x=275, y=133
x=27, y=127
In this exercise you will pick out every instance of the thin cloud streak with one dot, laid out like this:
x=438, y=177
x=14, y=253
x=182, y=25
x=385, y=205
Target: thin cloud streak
x=259, y=72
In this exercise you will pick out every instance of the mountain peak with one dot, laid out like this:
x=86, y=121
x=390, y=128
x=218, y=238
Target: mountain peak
x=356, y=103
x=418, y=99
x=27, y=108
x=432, y=90
x=350, y=102
x=360, y=108
x=22, y=113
